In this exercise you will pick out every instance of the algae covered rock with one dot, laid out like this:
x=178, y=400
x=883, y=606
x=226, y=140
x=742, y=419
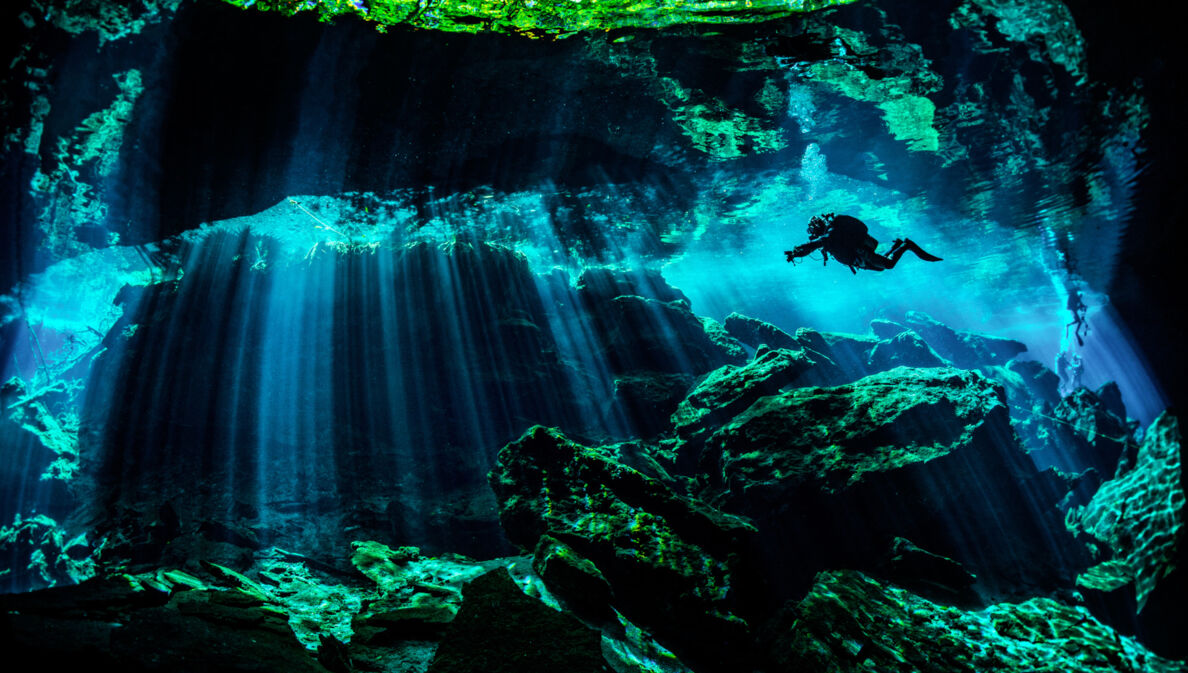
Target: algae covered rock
x=672, y=562
x=851, y=622
x=572, y=577
x=545, y=19
x=730, y=389
x=923, y=454
x=1139, y=517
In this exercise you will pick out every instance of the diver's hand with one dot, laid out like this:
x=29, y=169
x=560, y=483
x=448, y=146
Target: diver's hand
x=798, y=251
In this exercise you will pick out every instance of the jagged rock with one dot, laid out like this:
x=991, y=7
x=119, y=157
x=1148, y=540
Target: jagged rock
x=531, y=20
x=36, y=551
x=1094, y=437
x=1139, y=517
x=641, y=334
x=905, y=349
x=755, y=332
x=966, y=350
x=845, y=357
x=672, y=562
x=729, y=390
x=730, y=346
x=930, y=575
x=1041, y=383
x=851, y=622
x=649, y=398
x=501, y=630
x=573, y=578
x=928, y=455
x=605, y=283
x=887, y=329
x=112, y=624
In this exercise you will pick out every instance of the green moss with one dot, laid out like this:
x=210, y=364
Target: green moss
x=543, y=18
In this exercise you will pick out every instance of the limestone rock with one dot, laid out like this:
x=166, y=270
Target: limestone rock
x=755, y=332
x=851, y=622
x=606, y=283
x=1096, y=437
x=573, y=578
x=966, y=350
x=923, y=454
x=639, y=333
x=730, y=389
x=648, y=398
x=1139, y=515
x=672, y=562
x=111, y=624
x=905, y=349
x=501, y=630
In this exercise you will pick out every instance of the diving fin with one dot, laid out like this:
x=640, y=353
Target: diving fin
x=910, y=245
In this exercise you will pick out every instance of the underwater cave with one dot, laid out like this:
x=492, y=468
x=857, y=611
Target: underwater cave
x=441, y=336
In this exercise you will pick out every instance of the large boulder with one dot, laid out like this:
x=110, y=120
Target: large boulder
x=756, y=333
x=729, y=390
x=850, y=622
x=501, y=630
x=641, y=334
x=1136, y=523
x=832, y=475
x=967, y=350
x=674, y=565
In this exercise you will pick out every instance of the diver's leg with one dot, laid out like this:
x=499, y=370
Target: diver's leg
x=908, y=244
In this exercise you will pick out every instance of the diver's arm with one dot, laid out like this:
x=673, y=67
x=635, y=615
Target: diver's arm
x=803, y=249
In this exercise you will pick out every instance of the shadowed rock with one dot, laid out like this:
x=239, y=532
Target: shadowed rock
x=501, y=630
x=110, y=625
x=756, y=333
x=966, y=350
x=831, y=475
x=849, y=622
x=1137, y=521
x=673, y=563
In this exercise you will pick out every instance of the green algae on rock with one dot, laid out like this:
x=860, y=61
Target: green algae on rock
x=540, y=18
x=1139, y=516
x=672, y=562
x=851, y=622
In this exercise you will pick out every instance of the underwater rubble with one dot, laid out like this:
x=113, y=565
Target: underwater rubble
x=915, y=498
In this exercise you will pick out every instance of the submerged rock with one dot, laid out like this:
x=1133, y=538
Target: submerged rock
x=673, y=563
x=831, y=475
x=851, y=622
x=729, y=390
x=648, y=398
x=1093, y=436
x=115, y=624
x=547, y=19
x=966, y=350
x=642, y=334
x=501, y=630
x=1138, y=519
x=756, y=333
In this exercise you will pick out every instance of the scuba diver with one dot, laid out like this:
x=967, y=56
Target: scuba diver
x=846, y=239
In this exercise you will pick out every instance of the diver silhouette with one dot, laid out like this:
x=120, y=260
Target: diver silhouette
x=847, y=240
